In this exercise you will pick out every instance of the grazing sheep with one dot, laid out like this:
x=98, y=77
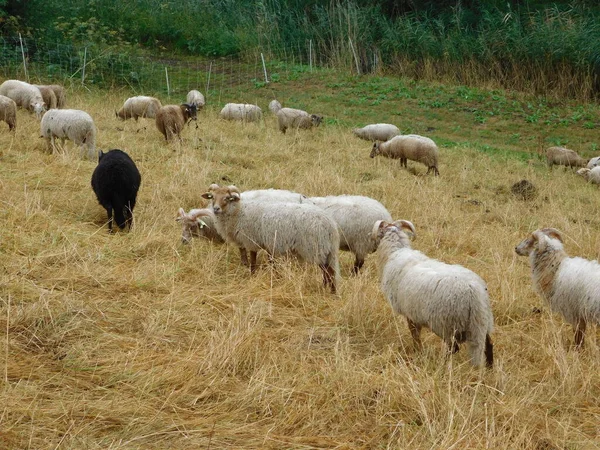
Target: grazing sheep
x=195, y=97
x=355, y=216
x=300, y=229
x=568, y=285
x=377, y=132
x=409, y=146
x=296, y=118
x=61, y=97
x=48, y=95
x=241, y=111
x=72, y=124
x=592, y=175
x=8, y=112
x=593, y=162
x=140, y=106
x=449, y=299
x=116, y=181
x=25, y=95
x=274, y=106
x=171, y=119
x=562, y=156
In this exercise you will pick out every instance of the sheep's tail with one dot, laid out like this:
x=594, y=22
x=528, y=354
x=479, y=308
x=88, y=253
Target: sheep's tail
x=489, y=352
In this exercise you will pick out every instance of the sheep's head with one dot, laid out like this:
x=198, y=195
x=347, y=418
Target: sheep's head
x=375, y=150
x=316, y=120
x=38, y=109
x=584, y=172
x=190, y=223
x=403, y=228
x=539, y=240
x=223, y=199
x=190, y=111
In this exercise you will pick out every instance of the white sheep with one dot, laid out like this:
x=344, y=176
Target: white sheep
x=274, y=106
x=377, y=132
x=355, y=216
x=48, y=95
x=8, y=112
x=25, y=95
x=568, y=285
x=195, y=97
x=593, y=162
x=449, y=299
x=591, y=175
x=241, y=111
x=562, y=156
x=170, y=119
x=72, y=124
x=296, y=118
x=139, y=106
x=409, y=146
x=301, y=229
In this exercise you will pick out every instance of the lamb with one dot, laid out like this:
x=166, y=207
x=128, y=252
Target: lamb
x=8, y=112
x=72, y=124
x=48, y=95
x=562, y=156
x=377, y=132
x=355, y=216
x=25, y=95
x=59, y=92
x=192, y=226
x=139, y=106
x=171, y=119
x=195, y=97
x=409, y=146
x=592, y=175
x=116, y=181
x=593, y=162
x=449, y=299
x=296, y=118
x=274, y=106
x=568, y=285
x=241, y=111
x=280, y=228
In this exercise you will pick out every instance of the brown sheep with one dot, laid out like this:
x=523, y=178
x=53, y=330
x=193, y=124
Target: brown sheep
x=562, y=156
x=170, y=119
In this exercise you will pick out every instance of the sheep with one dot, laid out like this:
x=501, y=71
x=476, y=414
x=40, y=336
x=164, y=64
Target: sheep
x=8, y=112
x=48, y=95
x=25, y=95
x=377, y=132
x=568, y=285
x=72, y=124
x=355, y=216
x=562, y=156
x=409, y=146
x=301, y=229
x=139, y=106
x=296, y=118
x=591, y=175
x=116, y=181
x=274, y=106
x=449, y=299
x=170, y=119
x=61, y=98
x=241, y=111
x=195, y=97
x=593, y=162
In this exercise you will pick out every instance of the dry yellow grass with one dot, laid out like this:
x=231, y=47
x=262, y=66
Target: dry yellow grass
x=133, y=341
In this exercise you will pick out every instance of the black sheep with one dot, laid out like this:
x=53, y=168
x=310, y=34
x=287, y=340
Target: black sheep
x=116, y=181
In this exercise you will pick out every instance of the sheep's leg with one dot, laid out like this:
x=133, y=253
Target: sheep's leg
x=109, y=212
x=244, y=256
x=580, y=333
x=489, y=352
x=328, y=276
x=252, y=261
x=358, y=263
x=415, y=331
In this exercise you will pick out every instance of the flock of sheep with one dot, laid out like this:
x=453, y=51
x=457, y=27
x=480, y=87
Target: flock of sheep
x=449, y=299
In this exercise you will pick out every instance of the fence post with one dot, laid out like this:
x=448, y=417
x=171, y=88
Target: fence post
x=310, y=54
x=208, y=80
x=23, y=55
x=168, y=87
x=355, y=58
x=84, y=64
x=264, y=68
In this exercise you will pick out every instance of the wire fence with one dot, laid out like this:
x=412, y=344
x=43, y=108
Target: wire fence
x=42, y=62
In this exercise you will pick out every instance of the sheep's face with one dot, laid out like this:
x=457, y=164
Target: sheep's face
x=583, y=172
x=224, y=199
x=38, y=109
x=376, y=150
x=191, y=225
x=539, y=241
x=191, y=111
x=316, y=120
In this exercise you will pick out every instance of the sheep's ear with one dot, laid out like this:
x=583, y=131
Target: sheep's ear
x=406, y=225
x=207, y=196
x=376, y=227
x=234, y=197
x=553, y=233
x=180, y=214
x=539, y=239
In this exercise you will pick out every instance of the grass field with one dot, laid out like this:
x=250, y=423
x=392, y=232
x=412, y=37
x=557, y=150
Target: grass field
x=134, y=341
